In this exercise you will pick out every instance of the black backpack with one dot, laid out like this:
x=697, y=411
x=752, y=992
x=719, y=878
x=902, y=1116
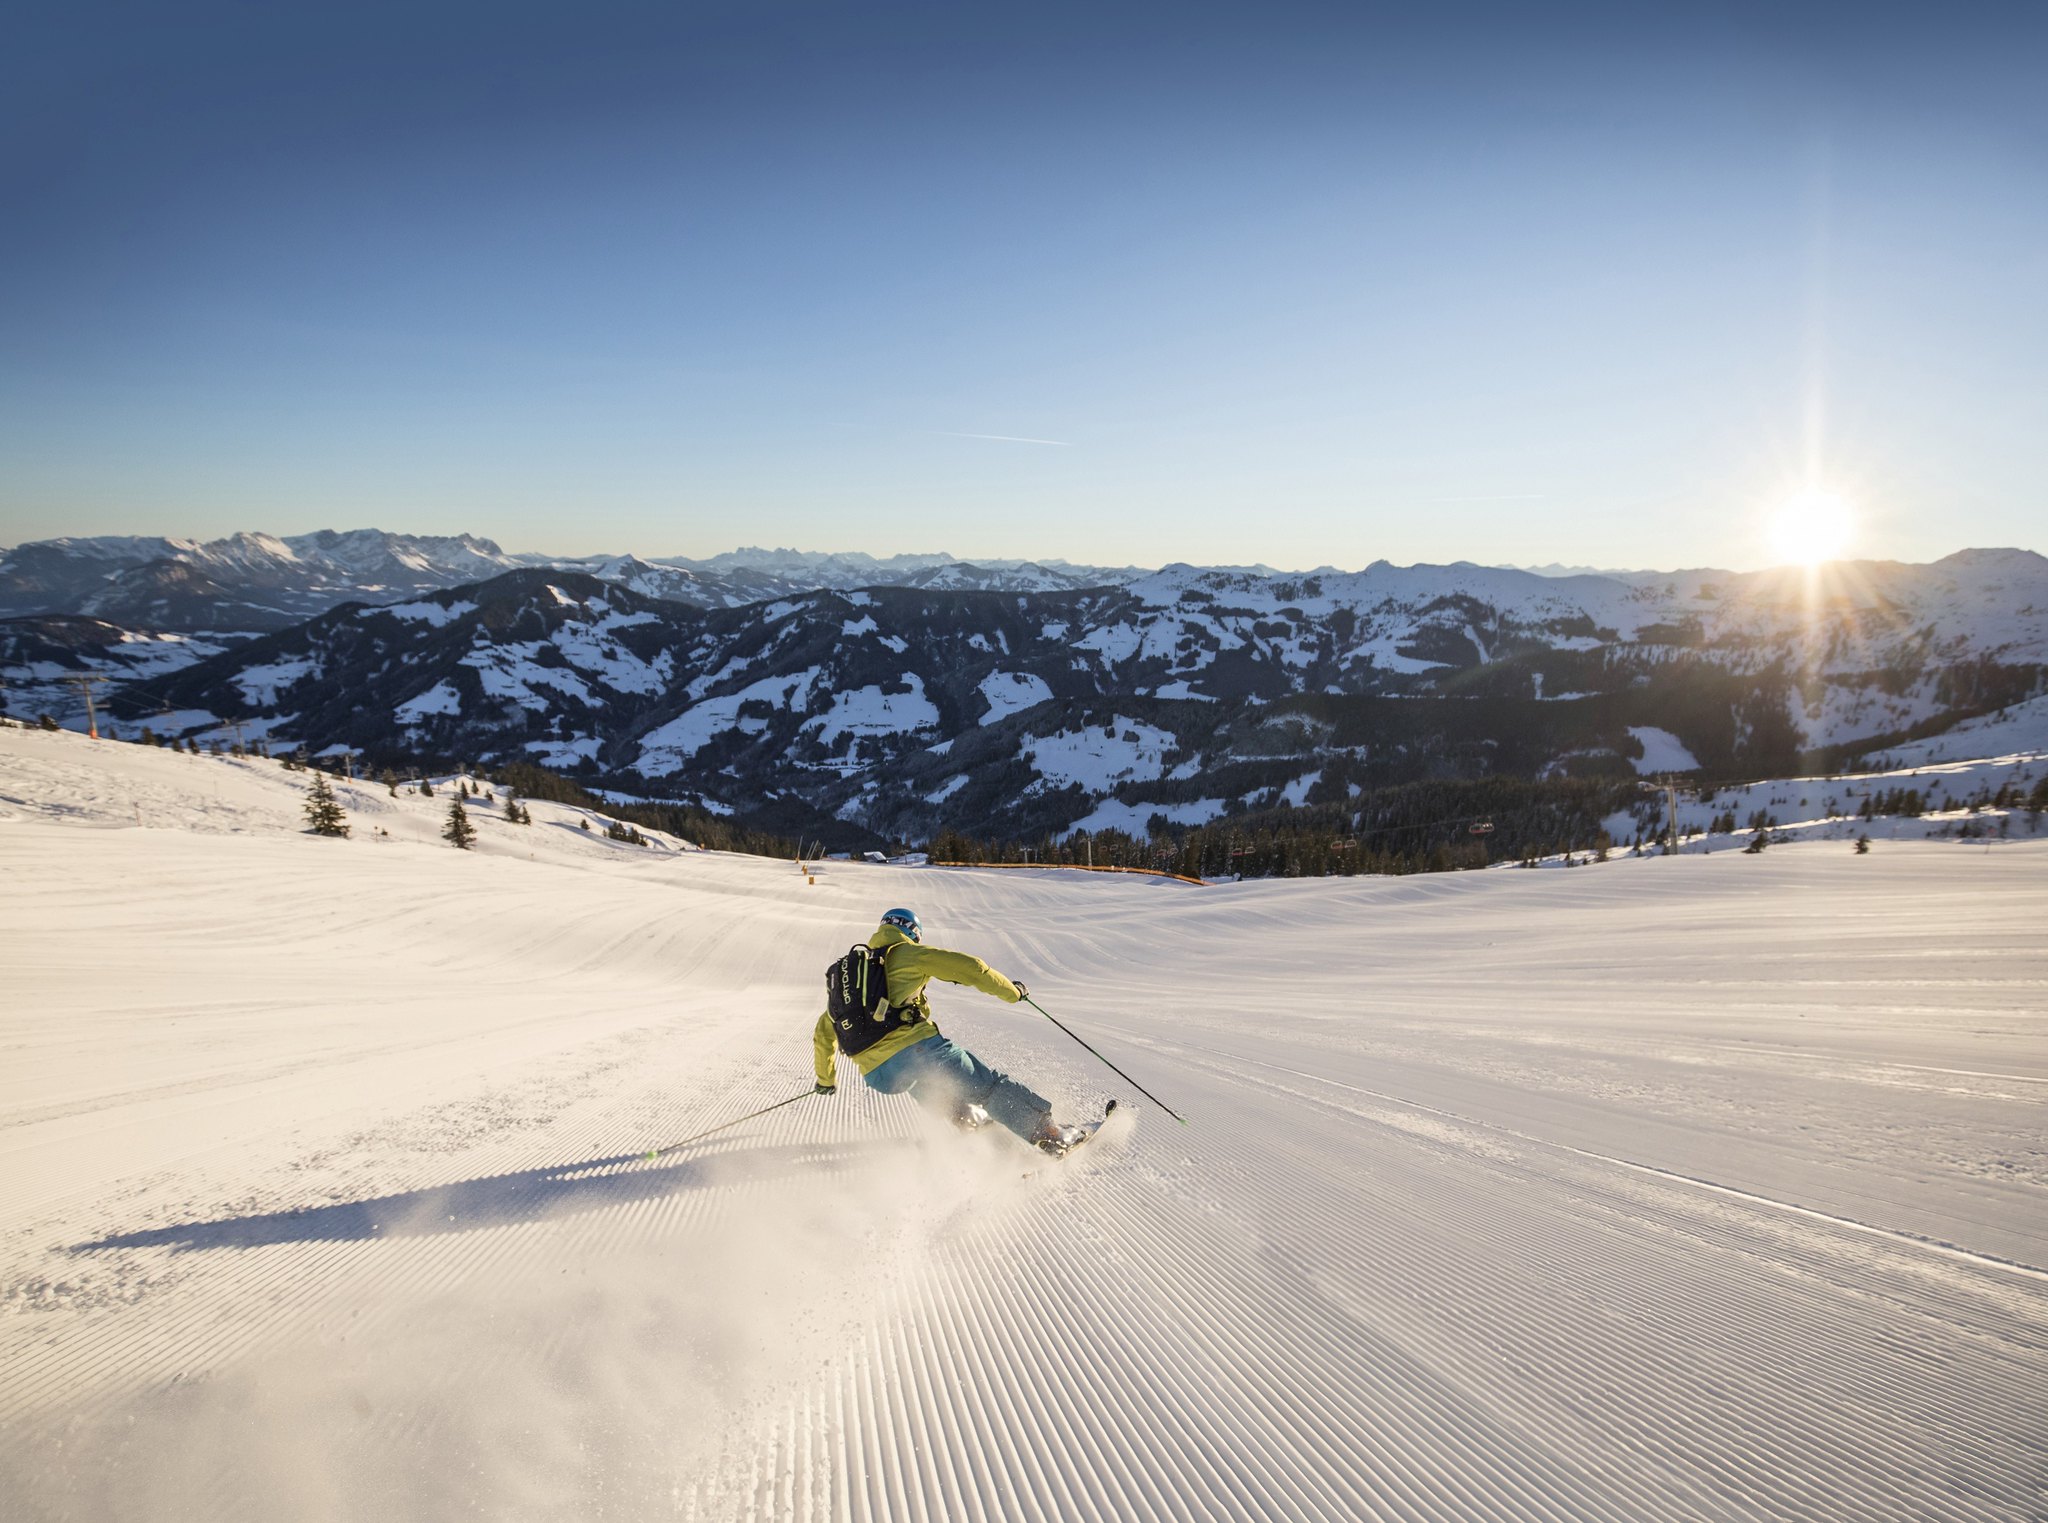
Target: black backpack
x=857, y=999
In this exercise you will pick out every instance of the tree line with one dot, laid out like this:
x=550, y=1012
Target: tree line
x=1437, y=826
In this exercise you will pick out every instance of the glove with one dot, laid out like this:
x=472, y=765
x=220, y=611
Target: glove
x=826, y=1089
x=1023, y=992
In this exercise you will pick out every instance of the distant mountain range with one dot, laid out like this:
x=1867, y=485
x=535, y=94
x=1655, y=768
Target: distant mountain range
x=259, y=582
x=243, y=583
x=1039, y=697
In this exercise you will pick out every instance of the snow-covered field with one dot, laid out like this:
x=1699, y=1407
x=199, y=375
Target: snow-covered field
x=2022, y=727
x=1959, y=798
x=1696, y=1188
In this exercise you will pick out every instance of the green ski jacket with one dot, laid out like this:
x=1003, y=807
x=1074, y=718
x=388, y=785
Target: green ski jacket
x=911, y=967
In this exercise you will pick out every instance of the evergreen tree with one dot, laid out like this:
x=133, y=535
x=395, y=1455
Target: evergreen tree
x=426, y=787
x=324, y=814
x=390, y=782
x=1863, y=844
x=458, y=832
x=44, y=721
x=515, y=812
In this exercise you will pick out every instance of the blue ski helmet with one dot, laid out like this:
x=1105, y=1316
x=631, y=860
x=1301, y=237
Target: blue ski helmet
x=907, y=922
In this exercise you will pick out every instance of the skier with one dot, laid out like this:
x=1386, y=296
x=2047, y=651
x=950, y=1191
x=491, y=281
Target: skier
x=901, y=1049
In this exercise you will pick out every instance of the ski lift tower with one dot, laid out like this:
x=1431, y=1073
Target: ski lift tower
x=85, y=685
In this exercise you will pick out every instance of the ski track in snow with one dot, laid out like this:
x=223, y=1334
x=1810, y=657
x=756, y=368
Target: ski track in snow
x=1689, y=1189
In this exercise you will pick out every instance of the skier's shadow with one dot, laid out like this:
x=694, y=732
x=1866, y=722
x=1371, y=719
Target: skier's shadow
x=472, y=1205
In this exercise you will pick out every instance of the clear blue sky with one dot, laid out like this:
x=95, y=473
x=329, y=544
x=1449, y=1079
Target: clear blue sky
x=1287, y=283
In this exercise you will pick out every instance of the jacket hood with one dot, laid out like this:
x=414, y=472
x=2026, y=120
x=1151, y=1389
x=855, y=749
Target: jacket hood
x=887, y=936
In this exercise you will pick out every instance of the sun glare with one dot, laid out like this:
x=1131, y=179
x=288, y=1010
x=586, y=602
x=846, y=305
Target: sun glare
x=1810, y=527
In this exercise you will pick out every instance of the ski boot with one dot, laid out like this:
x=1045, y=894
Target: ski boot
x=1056, y=1140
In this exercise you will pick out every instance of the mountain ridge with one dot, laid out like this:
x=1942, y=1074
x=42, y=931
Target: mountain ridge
x=256, y=582
x=1185, y=696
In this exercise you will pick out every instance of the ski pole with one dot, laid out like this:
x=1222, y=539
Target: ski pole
x=1141, y=1089
x=764, y=1110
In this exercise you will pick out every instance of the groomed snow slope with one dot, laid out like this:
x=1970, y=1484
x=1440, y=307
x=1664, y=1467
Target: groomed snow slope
x=1702, y=1188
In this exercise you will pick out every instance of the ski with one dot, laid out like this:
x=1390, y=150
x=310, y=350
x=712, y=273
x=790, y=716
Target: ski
x=1087, y=1130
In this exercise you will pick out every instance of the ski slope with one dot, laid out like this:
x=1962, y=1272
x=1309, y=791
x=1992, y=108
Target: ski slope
x=1672, y=1189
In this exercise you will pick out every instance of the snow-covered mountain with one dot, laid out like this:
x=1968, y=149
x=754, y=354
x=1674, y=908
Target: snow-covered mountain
x=844, y=570
x=748, y=576
x=260, y=582
x=59, y=575
x=684, y=581
x=1187, y=695
x=244, y=582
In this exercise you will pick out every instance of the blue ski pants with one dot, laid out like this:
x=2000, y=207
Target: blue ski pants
x=948, y=1079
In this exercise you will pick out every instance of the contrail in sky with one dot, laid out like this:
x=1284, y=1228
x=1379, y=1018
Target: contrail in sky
x=1005, y=438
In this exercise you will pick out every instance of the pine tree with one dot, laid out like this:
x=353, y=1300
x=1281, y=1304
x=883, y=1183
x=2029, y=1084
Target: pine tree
x=1863, y=844
x=458, y=832
x=390, y=782
x=324, y=814
x=426, y=787
x=515, y=811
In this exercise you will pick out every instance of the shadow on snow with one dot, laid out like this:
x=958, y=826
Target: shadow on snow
x=500, y=1199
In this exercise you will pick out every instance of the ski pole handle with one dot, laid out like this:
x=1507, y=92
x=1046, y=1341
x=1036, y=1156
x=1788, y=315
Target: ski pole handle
x=1106, y=1063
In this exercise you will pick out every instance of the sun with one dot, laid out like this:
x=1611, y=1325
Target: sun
x=1810, y=527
